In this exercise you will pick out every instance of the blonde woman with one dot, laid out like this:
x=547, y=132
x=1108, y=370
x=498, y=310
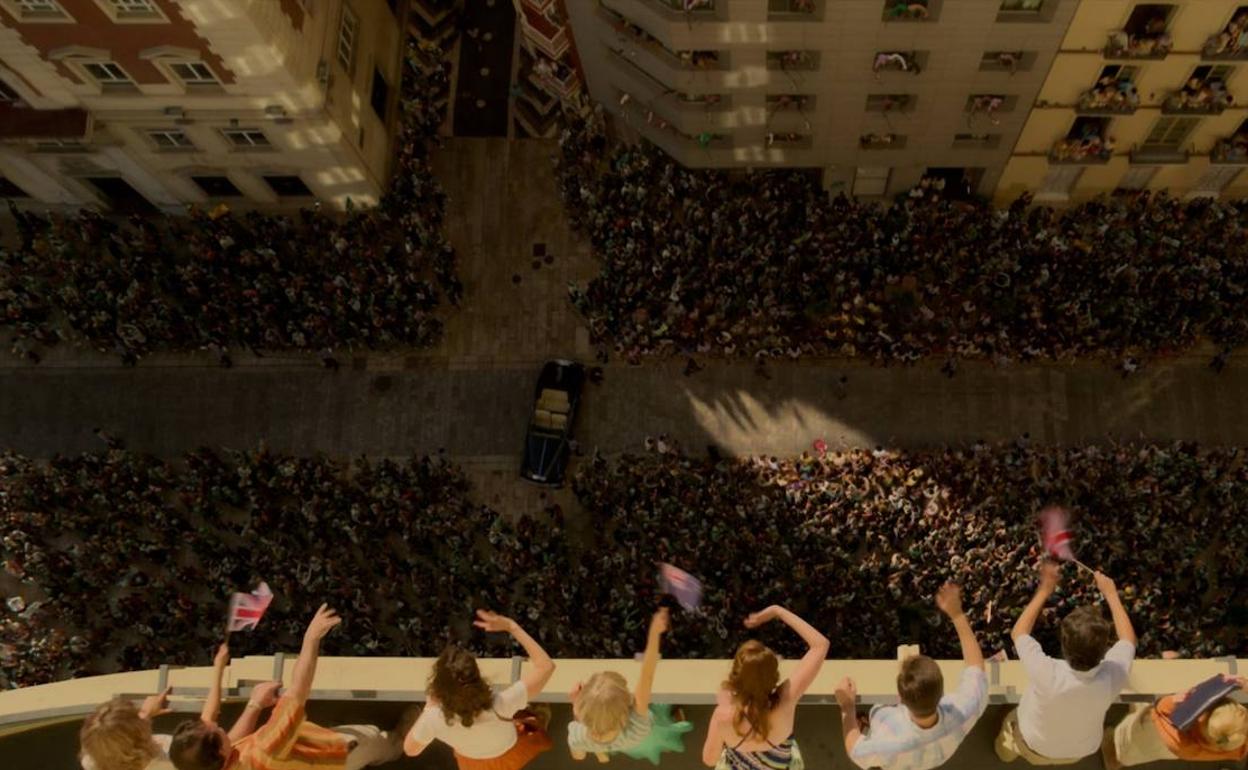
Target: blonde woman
x=118, y=735
x=608, y=719
x=1146, y=734
x=752, y=727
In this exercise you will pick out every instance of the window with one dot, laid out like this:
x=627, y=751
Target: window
x=1137, y=177
x=911, y=10
x=36, y=10
x=134, y=9
x=889, y=141
x=216, y=186
x=288, y=186
x=380, y=96
x=107, y=73
x=59, y=145
x=1213, y=181
x=193, y=73
x=10, y=190
x=348, y=31
x=1058, y=182
x=971, y=141
x=1026, y=10
x=792, y=60
x=8, y=95
x=788, y=7
x=871, y=180
x=1170, y=132
x=246, y=138
x=890, y=102
x=1229, y=43
x=1007, y=61
x=170, y=139
x=1025, y=6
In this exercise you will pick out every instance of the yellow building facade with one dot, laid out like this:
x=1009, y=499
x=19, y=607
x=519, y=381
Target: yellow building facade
x=1139, y=96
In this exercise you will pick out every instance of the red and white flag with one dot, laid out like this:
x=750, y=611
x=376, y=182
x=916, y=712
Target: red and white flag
x=680, y=585
x=247, y=609
x=1055, y=531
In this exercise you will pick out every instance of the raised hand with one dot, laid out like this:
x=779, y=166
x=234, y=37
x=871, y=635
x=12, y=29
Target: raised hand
x=1050, y=574
x=265, y=694
x=493, y=622
x=324, y=621
x=1105, y=584
x=660, y=622
x=949, y=599
x=156, y=705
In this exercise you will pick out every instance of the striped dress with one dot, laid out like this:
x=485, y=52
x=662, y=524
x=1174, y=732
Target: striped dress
x=785, y=756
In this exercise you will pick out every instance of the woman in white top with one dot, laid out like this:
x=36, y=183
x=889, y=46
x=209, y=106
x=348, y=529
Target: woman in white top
x=752, y=727
x=488, y=731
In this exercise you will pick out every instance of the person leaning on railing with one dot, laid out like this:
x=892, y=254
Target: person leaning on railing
x=1060, y=716
x=752, y=727
x=287, y=741
x=1146, y=734
x=118, y=736
x=487, y=731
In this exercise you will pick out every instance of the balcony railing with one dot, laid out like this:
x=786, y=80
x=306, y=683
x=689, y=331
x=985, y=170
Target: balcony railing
x=1202, y=101
x=793, y=61
x=1158, y=154
x=911, y=10
x=1230, y=150
x=1122, y=45
x=1090, y=151
x=882, y=141
x=1111, y=99
x=792, y=10
x=1220, y=48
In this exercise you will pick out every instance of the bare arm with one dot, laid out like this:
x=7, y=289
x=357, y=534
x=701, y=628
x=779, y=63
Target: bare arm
x=262, y=697
x=541, y=668
x=305, y=667
x=1031, y=613
x=1122, y=621
x=412, y=748
x=949, y=599
x=212, y=706
x=650, y=661
x=808, y=667
x=847, y=698
x=714, y=745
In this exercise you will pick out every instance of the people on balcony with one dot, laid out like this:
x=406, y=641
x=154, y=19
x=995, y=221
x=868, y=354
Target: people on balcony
x=1058, y=719
x=927, y=727
x=1231, y=41
x=1201, y=95
x=608, y=719
x=752, y=725
x=1112, y=94
x=1090, y=145
x=895, y=60
x=1153, y=41
x=287, y=740
x=487, y=731
x=906, y=9
x=1147, y=733
x=118, y=735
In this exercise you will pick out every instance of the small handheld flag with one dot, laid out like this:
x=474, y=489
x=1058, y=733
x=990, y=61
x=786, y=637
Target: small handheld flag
x=683, y=587
x=1055, y=533
x=247, y=609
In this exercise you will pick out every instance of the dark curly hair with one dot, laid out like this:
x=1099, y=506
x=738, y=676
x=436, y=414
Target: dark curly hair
x=457, y=685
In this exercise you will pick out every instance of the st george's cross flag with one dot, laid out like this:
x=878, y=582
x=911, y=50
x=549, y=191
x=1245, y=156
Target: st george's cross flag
x=1055, y=532
x=247, y=609
x=680, y=585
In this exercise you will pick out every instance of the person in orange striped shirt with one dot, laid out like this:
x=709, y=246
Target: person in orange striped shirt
x=287, y=741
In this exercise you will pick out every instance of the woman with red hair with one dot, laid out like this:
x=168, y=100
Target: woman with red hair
x=752, y=728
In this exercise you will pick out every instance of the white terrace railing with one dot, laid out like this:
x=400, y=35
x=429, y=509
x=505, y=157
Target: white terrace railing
x=679, y=682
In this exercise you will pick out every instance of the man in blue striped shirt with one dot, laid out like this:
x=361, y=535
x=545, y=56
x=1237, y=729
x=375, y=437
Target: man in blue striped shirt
x=927, y=727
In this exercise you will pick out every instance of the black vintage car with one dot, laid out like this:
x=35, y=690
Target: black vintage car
x=546, y=447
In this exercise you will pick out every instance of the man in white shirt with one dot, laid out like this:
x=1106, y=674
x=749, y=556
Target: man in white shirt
x=1061, y=716
x=926, y=729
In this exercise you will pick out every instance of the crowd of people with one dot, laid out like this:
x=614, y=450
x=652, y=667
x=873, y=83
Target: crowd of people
x=216, y=280
x=121, y=557
x=766, y=264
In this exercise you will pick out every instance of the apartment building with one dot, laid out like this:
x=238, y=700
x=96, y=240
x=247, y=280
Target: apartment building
x=1141, y=95
x=871, y=94
x=138, y=105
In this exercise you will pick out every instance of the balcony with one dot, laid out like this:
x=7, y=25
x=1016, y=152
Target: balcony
x=1231, y=44
x=1115, y=97
x=547, y=35
x=1209, y=98
x=1122, y=45
x=794, y=10
x=1231, y=150
x=1089, y=151
x=911, y=10
x=1158, y=154
x=882, y=142
x=793, y=61
x=909, y=62
x=690, y=10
